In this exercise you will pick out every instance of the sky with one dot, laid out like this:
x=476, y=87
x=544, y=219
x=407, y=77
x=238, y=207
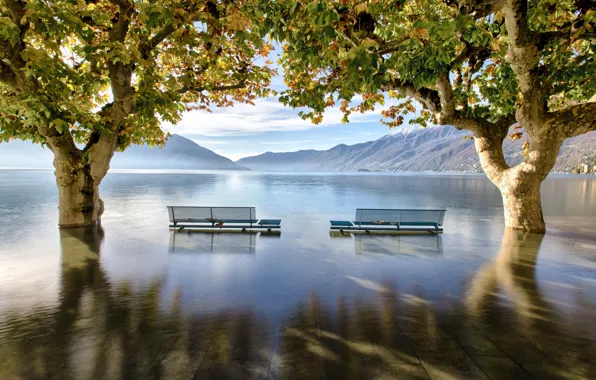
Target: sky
x=268, y=126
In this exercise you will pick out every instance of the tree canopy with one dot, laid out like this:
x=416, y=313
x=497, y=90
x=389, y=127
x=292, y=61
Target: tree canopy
x=459, y=59
x=482, y=66
x=72, y=70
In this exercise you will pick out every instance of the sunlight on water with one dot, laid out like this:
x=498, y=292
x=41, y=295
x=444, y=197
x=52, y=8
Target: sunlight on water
x=132, y=299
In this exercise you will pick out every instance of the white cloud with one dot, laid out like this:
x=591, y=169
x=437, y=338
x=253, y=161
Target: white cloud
x=267, y=115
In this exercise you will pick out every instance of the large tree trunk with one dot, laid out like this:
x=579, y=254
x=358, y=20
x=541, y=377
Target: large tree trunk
x=520, y=185
x=78, y=196
x=78, y=176
x=521, y=202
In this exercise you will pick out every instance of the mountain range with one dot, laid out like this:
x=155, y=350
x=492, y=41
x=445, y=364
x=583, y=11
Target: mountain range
x=178, y=153
x=426, y=149
x=415, y=150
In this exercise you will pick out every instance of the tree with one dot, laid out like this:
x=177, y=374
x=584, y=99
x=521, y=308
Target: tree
x=481, y=66
x=87, y=78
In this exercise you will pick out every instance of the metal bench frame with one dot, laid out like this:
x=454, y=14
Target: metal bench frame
x=395, y=225
x=211, y=223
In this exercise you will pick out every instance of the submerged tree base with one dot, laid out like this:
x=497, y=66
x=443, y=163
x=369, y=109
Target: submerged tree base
x=522, y=206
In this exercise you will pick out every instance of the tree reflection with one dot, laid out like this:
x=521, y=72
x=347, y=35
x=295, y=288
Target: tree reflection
x=513, y=272
x=506, y=303
x=505, y=327
x=102, y=330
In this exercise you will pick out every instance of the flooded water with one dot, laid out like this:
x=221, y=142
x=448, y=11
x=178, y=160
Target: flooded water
x=133, y=300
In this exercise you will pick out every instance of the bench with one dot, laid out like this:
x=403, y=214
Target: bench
x=383, y=220
x=219, y=218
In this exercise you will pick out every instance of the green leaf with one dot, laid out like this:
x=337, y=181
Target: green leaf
x=60, y=125
x=9, y=31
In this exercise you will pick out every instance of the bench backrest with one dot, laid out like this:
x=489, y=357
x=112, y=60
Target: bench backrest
x=206, y=214
x=366, y=215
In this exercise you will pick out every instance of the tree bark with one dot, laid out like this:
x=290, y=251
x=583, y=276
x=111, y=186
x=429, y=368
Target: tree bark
x=522, y=203
x=79, y=202
x=520, y=185
x=78, y=176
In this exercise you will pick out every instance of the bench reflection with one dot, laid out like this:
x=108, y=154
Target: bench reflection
x=420, y=245
x=201, y=242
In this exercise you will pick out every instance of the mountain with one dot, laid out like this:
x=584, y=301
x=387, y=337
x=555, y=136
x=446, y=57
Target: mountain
x=178, y=153
x=428, y=149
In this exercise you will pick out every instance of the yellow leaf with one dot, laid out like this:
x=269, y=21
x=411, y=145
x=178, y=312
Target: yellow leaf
x=362, y=7
x=421, y=34
x=368, y=42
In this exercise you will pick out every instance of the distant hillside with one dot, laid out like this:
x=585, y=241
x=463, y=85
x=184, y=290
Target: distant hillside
x=430, y=149
x=178, y=153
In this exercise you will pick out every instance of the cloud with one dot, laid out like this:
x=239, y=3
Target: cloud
x=266, y=116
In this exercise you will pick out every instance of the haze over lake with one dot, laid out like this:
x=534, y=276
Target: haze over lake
x=507, y=305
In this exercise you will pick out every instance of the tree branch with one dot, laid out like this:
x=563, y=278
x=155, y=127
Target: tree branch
x=167, y=30
x=575, y=29
x=476, y=9
x=429, y=98
x=468, y=52
x=391, y=46
x=119, y=30
x=449, y=115
x=546, y=37
x=488, y=137
x=524, y=57
x=574, y=120
x=447, y=99
x=61, y=144
x=241, y=84
x=347, y=38
x=158, y=38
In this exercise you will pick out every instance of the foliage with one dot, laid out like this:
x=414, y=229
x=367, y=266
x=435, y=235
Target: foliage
x=82, y=68
x=337, y=49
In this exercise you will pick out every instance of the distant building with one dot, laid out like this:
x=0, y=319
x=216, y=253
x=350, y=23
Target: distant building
x=584, y=169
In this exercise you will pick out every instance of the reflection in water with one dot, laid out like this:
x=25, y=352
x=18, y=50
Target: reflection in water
x=393, y=245
x=503, y=328
x=513, y=271
x=205, y=242
x=507, y=303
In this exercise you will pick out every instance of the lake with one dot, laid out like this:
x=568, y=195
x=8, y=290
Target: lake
x=134, y=300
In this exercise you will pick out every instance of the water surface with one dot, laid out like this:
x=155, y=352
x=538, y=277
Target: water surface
x=134, y=300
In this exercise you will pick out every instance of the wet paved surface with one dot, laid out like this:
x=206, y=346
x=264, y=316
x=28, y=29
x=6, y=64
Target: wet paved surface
x=132, y=300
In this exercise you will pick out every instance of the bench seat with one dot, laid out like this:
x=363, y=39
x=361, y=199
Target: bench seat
x=209, y=217
x=341, y=223
x=392, y=220
x=269, y=222
x=235, y=221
